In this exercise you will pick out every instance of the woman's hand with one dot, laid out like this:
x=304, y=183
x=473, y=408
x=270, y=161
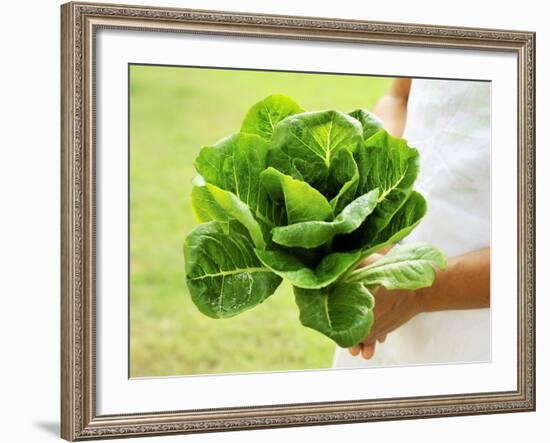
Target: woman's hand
x=465, y=284
x=391, y=310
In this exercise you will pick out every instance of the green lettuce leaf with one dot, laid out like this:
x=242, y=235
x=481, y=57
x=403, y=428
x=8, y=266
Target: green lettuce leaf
x=311, y=234
x=304, y=145
x=403, y=222
x=288, y=266
x=371, y=123
x=343, y=175
x=343, y=313
x=264, y=115
x=389, y=164
x=234, y=164
x=224, y=276
x=404, y=267
x=302, y=202
x=212, y=203
x=401, y=225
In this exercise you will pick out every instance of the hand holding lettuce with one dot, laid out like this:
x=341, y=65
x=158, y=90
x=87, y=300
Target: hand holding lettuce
x=306, y=196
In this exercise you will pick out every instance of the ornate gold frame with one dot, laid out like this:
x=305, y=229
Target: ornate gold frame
x=79, y=420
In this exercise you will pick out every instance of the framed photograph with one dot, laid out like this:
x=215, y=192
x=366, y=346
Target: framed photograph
x=277, y=221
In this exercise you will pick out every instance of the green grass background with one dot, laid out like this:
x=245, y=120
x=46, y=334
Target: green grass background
x=173, y=112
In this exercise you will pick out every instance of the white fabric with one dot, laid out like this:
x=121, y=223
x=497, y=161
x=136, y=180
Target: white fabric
x=449, y=122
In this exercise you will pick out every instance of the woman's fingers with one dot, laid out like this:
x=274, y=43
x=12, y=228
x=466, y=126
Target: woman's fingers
x=355, y=350
x=367, y=350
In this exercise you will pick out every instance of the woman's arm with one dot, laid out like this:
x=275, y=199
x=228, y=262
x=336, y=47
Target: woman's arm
x=465, y=284
x=392, y=107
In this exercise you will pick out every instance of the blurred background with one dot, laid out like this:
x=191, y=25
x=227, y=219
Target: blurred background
x=174, y=111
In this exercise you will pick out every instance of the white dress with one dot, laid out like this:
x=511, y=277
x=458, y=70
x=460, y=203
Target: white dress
x=449, y=122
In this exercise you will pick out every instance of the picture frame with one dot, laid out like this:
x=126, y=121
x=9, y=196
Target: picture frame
x=80, y=23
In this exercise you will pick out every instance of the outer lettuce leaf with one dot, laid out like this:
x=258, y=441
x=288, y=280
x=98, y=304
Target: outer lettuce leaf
x=262, y=118
x=212, y=203
x=311, y=234
x=304, y=145
x=344, y=313
x=302, y=202
x=403, y=222
x=389, y=164
x=404, y=267
x=234, y=164
x=371, y=123
x=224, y=276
